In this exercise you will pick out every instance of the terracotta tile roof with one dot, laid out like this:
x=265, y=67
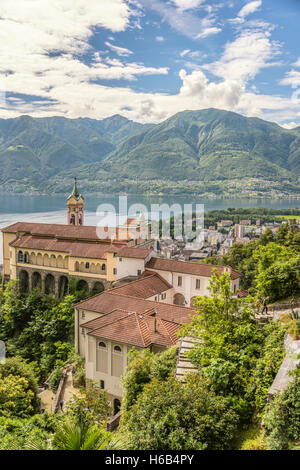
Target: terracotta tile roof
x=138, y=329
x=144, y=287
x=242, y=293
x=186, y=267
x=131, y=221
x=132, y=252
x=110, y=300
x=81, y=232
x=80, y=249
x=104, y=319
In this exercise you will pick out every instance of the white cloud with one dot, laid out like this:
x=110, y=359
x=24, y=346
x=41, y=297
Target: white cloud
x=246, y=56
x=297, y=63
x=120, y=51
x=187, y=4
x=160, y=38
x=290, y=125
x=184, y=52
x=292, y=78
x=181, y=18
x=208, y=31
x=249, y=8
x=50, y=66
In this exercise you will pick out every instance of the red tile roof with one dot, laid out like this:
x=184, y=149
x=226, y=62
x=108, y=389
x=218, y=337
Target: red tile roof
x=242, y=293
x=80, y=249
x=144, y=287
x=138, y=329
x=80, y=232
x=186, y=267
x=132, y=252
x=110, y=300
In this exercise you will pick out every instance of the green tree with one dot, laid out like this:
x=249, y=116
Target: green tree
x=229, y=345
x=18, y=388
x=169, y=415
x=79, y=436
x=92, y=406
x=282, y=417
x=142, y=368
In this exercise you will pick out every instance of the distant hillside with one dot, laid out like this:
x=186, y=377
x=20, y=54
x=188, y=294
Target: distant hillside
x=203, y=151
x=34, y=149
x=208, y=145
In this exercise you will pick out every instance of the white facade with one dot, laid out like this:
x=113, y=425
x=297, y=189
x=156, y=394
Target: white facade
x=131, y=266
x=189, y=285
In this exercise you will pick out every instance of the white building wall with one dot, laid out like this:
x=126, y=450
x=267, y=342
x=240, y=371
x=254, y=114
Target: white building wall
x=188, y=287
x=112, y=384
x=169, y=295
x=129, y=267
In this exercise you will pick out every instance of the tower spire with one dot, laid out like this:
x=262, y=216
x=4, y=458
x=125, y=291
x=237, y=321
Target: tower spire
x=75, y=206
x=75, y=192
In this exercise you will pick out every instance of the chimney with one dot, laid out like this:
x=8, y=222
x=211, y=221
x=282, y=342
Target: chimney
x=155, y=322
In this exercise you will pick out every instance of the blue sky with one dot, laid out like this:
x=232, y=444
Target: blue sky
x=148, y=59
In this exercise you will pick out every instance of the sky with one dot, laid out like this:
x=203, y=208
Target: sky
x=149, y=59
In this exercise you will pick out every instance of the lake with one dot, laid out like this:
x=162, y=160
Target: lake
x=52, y=209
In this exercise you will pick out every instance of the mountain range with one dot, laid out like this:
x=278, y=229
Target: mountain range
x=209, y=147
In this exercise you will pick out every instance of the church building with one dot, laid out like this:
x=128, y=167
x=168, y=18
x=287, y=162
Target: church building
x=47, y=256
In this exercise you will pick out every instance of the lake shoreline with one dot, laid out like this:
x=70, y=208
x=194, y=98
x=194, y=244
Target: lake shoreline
x=211, y=196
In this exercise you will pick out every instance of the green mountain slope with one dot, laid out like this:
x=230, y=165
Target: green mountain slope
x=208, y=145
x=34, y=149
x=198, y=151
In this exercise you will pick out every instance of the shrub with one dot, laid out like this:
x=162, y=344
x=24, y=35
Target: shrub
x=282, y=417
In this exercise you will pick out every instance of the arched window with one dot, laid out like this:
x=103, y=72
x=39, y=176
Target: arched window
x=103, y=267
x=72, y=219
x=26, y=258
x=117, y=349
x=102, y=345
x=20, y=257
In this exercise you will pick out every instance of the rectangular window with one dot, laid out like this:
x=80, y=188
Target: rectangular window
x=179, y=281
x=87, y=265
x=102, y=384
x=120, y=259
x=102, y=360
x=197, y=283
x=117, y=361
x=139, y=272
x=91, y=347
x=82, y=315
x=115, y=271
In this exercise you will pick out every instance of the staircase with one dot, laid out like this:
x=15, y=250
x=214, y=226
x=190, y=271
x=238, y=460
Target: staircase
x=184, y=366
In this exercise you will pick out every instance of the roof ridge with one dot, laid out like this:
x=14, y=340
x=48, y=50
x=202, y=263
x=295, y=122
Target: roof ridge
x=112, y=322
x=129, y=283
x=145, y=300
x=139, y=327
x=131, y=297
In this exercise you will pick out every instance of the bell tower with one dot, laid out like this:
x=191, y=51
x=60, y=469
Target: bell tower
x=75, y=205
